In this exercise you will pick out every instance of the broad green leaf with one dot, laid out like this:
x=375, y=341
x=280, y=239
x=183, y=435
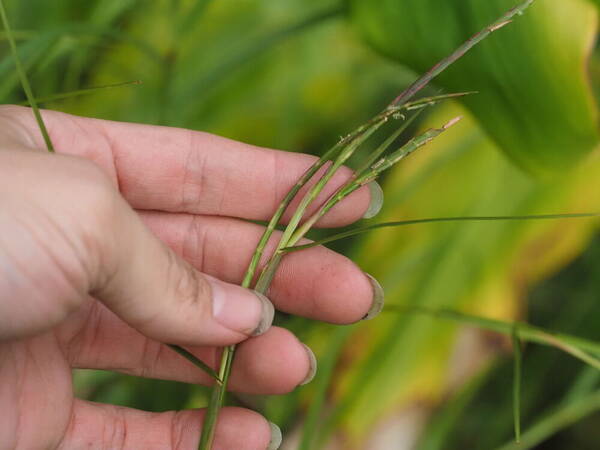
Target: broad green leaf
x=535, y=100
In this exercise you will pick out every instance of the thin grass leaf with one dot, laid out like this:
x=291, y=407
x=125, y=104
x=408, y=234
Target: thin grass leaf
x=516, y=341
x=80, y=92
x=321, y=384
x=430, y=101
x=556, y=421
x=195, y=361
x=400, y=223
x=385, y=145
x=586, y=382
x=443, y=423
x=24, y=79
x=573, y=345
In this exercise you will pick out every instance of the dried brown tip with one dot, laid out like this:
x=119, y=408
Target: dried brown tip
x=452, y=122
x=499, y=25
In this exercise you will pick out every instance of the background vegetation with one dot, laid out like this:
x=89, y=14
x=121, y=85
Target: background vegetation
x=297, y=74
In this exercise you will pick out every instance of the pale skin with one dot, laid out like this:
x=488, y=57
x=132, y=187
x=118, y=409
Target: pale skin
x=122, y=241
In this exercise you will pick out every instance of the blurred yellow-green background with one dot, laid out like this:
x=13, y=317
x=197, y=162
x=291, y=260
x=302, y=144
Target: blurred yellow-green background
x=297, y=74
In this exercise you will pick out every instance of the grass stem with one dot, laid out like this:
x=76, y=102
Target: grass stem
x=24, y=80
x=556, y=421
x=414, y=88
x=399, y=223
x=583, y=349
x=80, y=92
x=516, y=341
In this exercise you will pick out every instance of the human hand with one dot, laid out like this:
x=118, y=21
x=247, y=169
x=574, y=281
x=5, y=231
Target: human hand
x=131, y=237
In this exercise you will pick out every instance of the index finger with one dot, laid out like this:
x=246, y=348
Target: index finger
x=178, y=170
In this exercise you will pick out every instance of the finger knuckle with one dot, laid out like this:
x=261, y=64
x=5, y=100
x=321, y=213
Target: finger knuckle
x=189, y=286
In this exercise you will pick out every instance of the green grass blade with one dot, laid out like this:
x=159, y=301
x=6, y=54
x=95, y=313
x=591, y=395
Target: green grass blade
x=80, y=92
x=442, y=424
x=24, y=79
x=516, y=341
x=573, y=345
x=321, y=385
x=556, y=421
x=586, y=382
x=386, y=144
x=400, y=223
x=430, y=101
x=195, y=361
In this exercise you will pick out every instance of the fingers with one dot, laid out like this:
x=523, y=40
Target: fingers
x=95, y=425
x=273, y=363
x=316, y=283
x=78, y=236
x=168, y=169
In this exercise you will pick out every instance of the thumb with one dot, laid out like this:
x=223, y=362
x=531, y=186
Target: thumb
x=77, y=236
x=146, y=284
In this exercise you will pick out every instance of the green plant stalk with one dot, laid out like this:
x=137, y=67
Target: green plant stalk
x=460, y=52
x=228, y=353
x=217, y=399
x=292, y=234
x=341, y=152
x=314, y=192
x=401, y=223
x=516, y=341
x=363, y=175
x=80, y=92
x=577, y=347
x=306, y=177
x=24, y=79
x=269, y=271
x=337, y=151
x=366, y=177
x=385, y=145
x=271, y=267
x=557, y=420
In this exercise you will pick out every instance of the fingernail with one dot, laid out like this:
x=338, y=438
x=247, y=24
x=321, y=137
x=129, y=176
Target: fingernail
x=239, y=309
x=276, y=437
x=267, y=314
x=376, y=200
x=312, y=371
x=378, y=298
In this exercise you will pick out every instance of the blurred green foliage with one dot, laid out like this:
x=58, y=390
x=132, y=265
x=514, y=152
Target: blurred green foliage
x=296, y=74
x=539, y=59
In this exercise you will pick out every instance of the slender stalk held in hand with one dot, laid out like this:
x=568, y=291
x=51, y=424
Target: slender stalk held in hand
x=341, y=152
